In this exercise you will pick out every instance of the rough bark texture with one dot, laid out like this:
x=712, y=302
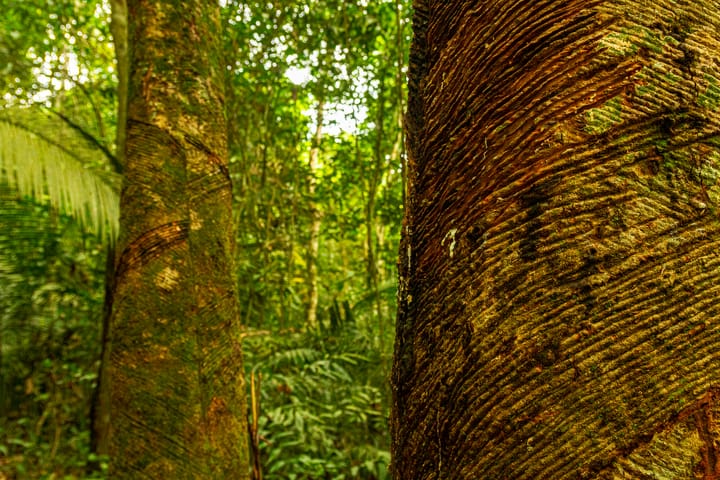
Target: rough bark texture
x=560, y=271
x=178, y=393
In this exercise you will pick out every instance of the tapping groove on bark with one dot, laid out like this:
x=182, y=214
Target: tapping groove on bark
x=150, y=245
x=571, y=151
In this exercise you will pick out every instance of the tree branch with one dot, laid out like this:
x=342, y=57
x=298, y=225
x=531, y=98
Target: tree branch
x=90, y=138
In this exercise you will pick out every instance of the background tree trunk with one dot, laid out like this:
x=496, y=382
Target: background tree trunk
x=119, y=29
x=559, y=269
x=177, y=385
x=311, y=319
x=100, y=410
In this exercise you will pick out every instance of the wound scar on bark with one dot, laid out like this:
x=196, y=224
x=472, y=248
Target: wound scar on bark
x=151, y=245
x=451, y=236
x=687, y=447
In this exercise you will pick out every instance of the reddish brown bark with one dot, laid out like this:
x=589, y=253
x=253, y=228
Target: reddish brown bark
x=559, y=268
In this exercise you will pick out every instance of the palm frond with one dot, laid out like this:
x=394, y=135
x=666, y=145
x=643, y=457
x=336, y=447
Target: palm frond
x=37, y=166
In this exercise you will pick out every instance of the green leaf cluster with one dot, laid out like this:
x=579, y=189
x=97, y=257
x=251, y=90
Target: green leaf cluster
x=50, y=298
x=323, y=411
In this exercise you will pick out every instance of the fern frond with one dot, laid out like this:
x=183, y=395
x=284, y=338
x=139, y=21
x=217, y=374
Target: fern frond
x=36, y=167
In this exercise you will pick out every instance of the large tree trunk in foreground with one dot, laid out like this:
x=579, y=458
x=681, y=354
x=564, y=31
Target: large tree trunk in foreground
x=560, y=268
x=177, y=388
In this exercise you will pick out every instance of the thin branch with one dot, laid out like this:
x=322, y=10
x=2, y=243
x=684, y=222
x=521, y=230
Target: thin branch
x=90, y=138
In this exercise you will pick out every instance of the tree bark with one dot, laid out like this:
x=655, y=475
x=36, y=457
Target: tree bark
x=176, y=377
x=559, y=270
x=315, y=221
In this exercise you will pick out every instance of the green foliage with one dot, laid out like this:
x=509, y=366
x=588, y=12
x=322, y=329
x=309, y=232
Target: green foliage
x=50, y=286
x=48, y=47
x=323, y=409
x=272, y=120
x=43, y=167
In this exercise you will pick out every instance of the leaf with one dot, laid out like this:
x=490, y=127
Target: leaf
x=37, y=168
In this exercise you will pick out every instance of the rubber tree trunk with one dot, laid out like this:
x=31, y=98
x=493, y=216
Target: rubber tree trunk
x=560, y=267
x=176, y=377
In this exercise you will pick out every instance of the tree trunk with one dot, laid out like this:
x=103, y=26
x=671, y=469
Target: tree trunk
x=559, y=268
x=376, y=172
x=177, y=385
x=100, y=407
x=100, y=410
x=119, y=29
x=315, y=220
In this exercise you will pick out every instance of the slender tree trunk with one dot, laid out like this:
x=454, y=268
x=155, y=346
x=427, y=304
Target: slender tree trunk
x=177, y=384
x=100, y=408
x=559, y=313
x=370, y=217
x=315, y=220
x=100, y=411
x=399, y=86
x=119, y=29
